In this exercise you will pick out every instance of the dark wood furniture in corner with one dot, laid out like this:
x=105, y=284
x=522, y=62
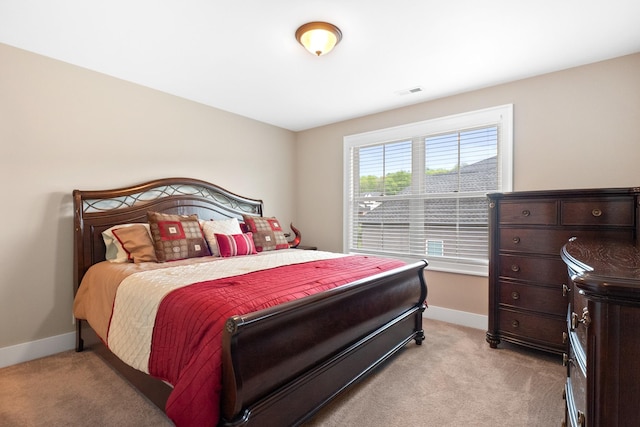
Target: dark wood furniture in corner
x=603, y=359
x=528, y=283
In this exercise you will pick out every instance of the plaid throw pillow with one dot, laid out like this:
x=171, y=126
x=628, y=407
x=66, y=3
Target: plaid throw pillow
x=177, y=236
x=267, y=233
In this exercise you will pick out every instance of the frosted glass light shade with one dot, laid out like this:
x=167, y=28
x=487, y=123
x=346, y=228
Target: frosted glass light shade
x=319, y=38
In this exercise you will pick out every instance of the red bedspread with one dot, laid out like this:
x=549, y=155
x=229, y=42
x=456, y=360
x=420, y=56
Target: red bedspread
x=187, y=337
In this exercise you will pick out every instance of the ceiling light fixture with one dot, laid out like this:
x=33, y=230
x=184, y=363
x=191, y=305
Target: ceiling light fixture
x=318, y=37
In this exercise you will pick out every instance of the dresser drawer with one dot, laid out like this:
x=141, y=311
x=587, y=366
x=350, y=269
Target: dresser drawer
x=549, y=241
x=529, y=212
x=530, y=327
x=610, y=212
x=576, y=404
x=539, y=270
x=576, y=390
x=577, y=315
x=531, y=297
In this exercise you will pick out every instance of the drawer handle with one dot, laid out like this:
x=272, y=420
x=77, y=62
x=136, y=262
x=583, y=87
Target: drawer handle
x=515, y=267
x=516, y=240
x=515, y=323
x=515, y=295
x=526, y=212
x=585, y=319
x=565, y=290
x=566, y=360
x=596, y=212
x=581, y=418
x=574, y=321
x=564, y=337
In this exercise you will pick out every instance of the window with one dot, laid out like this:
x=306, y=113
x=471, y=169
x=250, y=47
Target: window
x=419, y=190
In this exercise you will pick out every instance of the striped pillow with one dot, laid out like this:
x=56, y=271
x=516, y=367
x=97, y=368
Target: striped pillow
x=235, y=244
x=223, y=226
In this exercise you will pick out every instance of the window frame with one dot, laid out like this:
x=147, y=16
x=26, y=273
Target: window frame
x=500, y=115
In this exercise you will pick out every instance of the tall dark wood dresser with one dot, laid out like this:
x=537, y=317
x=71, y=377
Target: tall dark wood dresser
x=603, y=357
x=528, y=283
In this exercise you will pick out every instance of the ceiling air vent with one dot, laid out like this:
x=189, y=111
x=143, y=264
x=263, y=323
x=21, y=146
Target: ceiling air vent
x=416, y=89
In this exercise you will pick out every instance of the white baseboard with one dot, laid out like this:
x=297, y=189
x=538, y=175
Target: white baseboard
x=36, y=349
x=59, y=343
x=464, y=318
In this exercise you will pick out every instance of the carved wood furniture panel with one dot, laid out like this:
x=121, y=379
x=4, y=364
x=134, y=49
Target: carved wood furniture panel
x=603, y=358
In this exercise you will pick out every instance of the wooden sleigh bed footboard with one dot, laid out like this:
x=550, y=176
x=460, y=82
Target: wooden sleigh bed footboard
x=282, y=364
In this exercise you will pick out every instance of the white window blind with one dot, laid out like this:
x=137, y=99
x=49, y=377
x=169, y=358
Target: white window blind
x=420, y=190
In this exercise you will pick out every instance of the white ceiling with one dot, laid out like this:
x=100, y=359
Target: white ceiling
x=241, y=55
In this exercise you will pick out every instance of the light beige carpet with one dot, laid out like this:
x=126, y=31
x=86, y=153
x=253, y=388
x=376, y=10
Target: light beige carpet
x=453, y=379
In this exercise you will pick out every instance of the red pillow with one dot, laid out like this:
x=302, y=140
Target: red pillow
x=235, y=244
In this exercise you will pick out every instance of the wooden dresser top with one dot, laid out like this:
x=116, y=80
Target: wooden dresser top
x=608, y=268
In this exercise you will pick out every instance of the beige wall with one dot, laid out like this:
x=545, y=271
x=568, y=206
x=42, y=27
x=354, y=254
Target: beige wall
x=577, y=128
x=63, y=127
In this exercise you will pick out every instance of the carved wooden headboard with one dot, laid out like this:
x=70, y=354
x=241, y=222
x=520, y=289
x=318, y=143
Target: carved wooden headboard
x=96, y=211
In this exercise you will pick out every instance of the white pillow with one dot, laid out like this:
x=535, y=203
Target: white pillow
x=115, y=252
x=219, y=226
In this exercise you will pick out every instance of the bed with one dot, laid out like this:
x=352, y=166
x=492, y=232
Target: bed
x=278, y=364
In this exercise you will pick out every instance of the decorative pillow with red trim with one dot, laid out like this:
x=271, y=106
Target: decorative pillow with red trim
x=136, y=242
x=114, y=250
x=177, y=236
x=267, y=233
x=235, y=244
